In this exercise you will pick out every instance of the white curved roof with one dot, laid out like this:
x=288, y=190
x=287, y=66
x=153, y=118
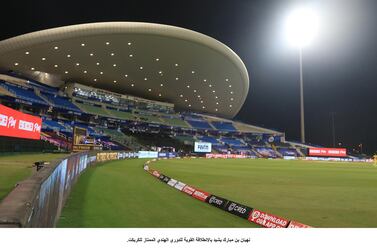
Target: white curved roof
x=154, y=61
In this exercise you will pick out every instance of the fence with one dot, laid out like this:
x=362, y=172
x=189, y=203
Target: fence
x=38, y=201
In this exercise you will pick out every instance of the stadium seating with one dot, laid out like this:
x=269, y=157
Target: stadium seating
x=22, y=93
x=200, y=124
x=209, y=140
x=223, y=126
x=232, y=141
x=266, y=152
x=60, y=102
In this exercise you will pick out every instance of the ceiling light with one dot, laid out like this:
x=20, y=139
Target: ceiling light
x=126, y=75
x=176, y=78
x=77, y=64
x=198, y=96
x=43, y=59
x=231, y=99
x=216, y=97
x=157, y=59
x=131, y=55
x=132, y=85
x=176, y=64
x=217, y=103
x=205, y=80
x=68, y=56
x=230, y=86
x=97, y=63
x=230, y=105
x=27, y=53
x=129, y=43
x=159, y=94
x=107, y=43
x=112, y=54
x=66, y=72
x=189, y=105
x=149, y=90
x=91, y=54
x=101, y=73
x=213, y=91
x=141, y=67
x=210, y=85
x=194, y=90
x=160, y=72
x=115, y=81
x=82, y=45
x=145, y=79
x=95, y=80
x=188, y=86
x=216, y=109
x=186, y=100
x=56, y=66
x=203, y=107
x=181, y=95
x=32, y=68
x=227, y=80
x=201, y=101
x=85, y=72
x=192, y=72
x=55, y=48
x=231, y=92
x=161, y=84
x=15, y=64
x=114, y=65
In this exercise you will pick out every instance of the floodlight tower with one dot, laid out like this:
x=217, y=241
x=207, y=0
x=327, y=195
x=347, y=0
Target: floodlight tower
x=302, y=26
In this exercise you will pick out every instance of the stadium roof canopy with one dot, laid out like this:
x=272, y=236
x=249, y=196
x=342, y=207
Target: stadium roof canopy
x=154, y=61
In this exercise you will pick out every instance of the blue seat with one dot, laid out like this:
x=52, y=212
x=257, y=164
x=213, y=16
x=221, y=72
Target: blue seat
x=224, y=126
x=23, y=93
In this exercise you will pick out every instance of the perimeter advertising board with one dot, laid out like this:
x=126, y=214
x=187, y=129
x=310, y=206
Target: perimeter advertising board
x=267, y=220
x=20, y=125
x=329, y=152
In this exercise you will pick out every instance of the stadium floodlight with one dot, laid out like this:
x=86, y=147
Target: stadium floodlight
x=302, y=27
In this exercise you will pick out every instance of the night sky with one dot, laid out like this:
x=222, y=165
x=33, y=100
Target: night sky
x=340, y=66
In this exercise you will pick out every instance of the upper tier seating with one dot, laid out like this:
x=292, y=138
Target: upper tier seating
x=232, y=141
x=200, y=124
x=60, y=102
x=25, y=94
x=224, y=126
x=209, y=140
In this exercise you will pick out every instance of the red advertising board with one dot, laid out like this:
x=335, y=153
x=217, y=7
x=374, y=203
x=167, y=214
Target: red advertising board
x=267, y=220
x=295, y=224
x=20, y=125
x=156, y=174
x=200, y=195
x=329, y=152
x=225, y=156
x=188, y=190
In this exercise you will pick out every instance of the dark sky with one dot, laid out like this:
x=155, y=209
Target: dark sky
x=340, y=67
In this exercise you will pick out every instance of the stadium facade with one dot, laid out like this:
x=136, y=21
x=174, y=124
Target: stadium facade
x=134, y=86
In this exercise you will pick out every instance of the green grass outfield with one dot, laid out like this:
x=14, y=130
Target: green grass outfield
x=17, y=167
x=321, y=194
